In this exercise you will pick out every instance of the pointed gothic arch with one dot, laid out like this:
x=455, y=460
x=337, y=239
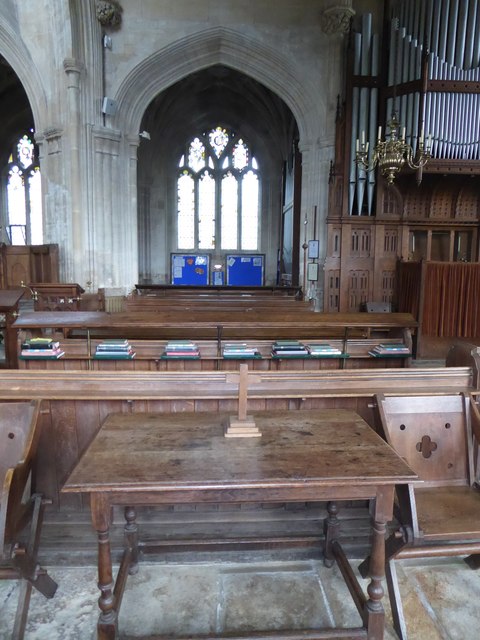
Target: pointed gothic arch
x=231, y=49
x=19, y=59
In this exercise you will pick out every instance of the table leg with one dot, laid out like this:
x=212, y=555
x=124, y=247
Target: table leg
x=107, y=620
x=332, y=530
x=131, y=537
x=101, y=519
x=374, y=611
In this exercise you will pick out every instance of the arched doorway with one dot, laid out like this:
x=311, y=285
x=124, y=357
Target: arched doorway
x=153, y=95
x=217, y=97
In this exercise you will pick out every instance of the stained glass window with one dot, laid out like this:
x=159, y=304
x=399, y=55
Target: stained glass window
x=24, y=195
x=186, y=211
x=218, y=193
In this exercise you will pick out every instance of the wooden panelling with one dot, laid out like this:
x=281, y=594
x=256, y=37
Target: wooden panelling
x=32, y=263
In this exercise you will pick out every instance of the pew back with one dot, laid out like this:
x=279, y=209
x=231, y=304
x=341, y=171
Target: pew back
x=432, y=434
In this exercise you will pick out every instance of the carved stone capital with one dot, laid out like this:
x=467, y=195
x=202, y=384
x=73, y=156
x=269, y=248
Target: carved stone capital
x=336, y=19
x=73, y=66
x=109, y=13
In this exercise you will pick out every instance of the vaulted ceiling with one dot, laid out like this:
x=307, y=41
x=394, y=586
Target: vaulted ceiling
x=221, y=96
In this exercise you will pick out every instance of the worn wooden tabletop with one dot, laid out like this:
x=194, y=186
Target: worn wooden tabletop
x=182, y=451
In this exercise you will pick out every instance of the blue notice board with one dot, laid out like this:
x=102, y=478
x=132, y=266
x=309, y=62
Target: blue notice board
x=190, y=269
x=245, y=270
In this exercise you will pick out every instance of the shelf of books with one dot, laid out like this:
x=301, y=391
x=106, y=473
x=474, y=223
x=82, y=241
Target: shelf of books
x=296, y=349
x=390, y=350
x=181, y=350
x=211, y=355
x=41, y=349
x=240, y=351
x=114, y=349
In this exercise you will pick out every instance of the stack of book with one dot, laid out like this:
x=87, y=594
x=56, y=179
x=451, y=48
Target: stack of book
x=289, y=349
x=41, y=348
x=239, y=350
x=114, y=349
x=323, y=349
x=392, y=349
x=181, y=349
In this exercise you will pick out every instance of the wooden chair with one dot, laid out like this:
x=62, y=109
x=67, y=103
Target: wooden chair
x=436, y=436
x=19, y=507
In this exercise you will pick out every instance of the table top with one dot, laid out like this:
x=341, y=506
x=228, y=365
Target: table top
x=158, y=452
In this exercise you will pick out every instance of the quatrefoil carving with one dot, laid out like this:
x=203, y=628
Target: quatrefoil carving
x=426, y=446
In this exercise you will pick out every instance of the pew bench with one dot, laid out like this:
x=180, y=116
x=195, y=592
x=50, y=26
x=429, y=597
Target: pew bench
x=75, y=403
x=21, y=510
x=355, y=335
x=219, y=291
x=438, y=437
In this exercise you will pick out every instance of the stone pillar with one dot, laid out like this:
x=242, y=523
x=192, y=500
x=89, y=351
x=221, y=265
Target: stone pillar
x=315, y=172
x=114, y=251
x=76, y=268
x=56, y=213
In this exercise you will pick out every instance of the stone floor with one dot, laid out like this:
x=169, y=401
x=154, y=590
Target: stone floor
x=175, y=599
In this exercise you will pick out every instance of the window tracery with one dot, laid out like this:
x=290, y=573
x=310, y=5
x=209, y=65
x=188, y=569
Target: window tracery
x=218, y=194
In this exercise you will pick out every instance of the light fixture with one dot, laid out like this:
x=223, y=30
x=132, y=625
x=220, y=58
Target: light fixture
x=33, y=293
x=392, y=153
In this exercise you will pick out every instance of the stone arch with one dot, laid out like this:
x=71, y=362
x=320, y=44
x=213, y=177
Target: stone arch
x=218, y=46
x=19, y=59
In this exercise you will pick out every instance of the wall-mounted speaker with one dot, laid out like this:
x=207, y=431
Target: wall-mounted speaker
x=109, y=106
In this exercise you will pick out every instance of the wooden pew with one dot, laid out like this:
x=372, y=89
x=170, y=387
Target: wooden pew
x=75, y=403
x=206, y=324
x=220, y=291
x=440, y=517
x=149, y=356
x=19, y=507
x=355, y=333
x=193, y=304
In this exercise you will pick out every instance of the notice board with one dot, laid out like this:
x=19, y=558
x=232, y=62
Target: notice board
x=245, y=270
x=190, y=269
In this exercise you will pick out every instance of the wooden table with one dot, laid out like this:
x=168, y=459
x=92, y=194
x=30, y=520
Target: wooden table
x=152, y=459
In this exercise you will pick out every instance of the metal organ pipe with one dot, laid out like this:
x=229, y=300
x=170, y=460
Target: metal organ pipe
x=471, y=19
x=476, y=43
x=452, y=32
x=364, y=104
x=357, y=44
x=372, y=124
x=462, y=34
x=442, y=36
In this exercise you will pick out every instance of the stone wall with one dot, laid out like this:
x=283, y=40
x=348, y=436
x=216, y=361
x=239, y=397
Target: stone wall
x=68, y=62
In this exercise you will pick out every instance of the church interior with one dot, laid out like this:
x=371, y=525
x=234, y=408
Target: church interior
x=239, y=315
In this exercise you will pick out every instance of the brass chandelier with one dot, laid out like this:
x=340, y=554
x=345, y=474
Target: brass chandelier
x=391, y=154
